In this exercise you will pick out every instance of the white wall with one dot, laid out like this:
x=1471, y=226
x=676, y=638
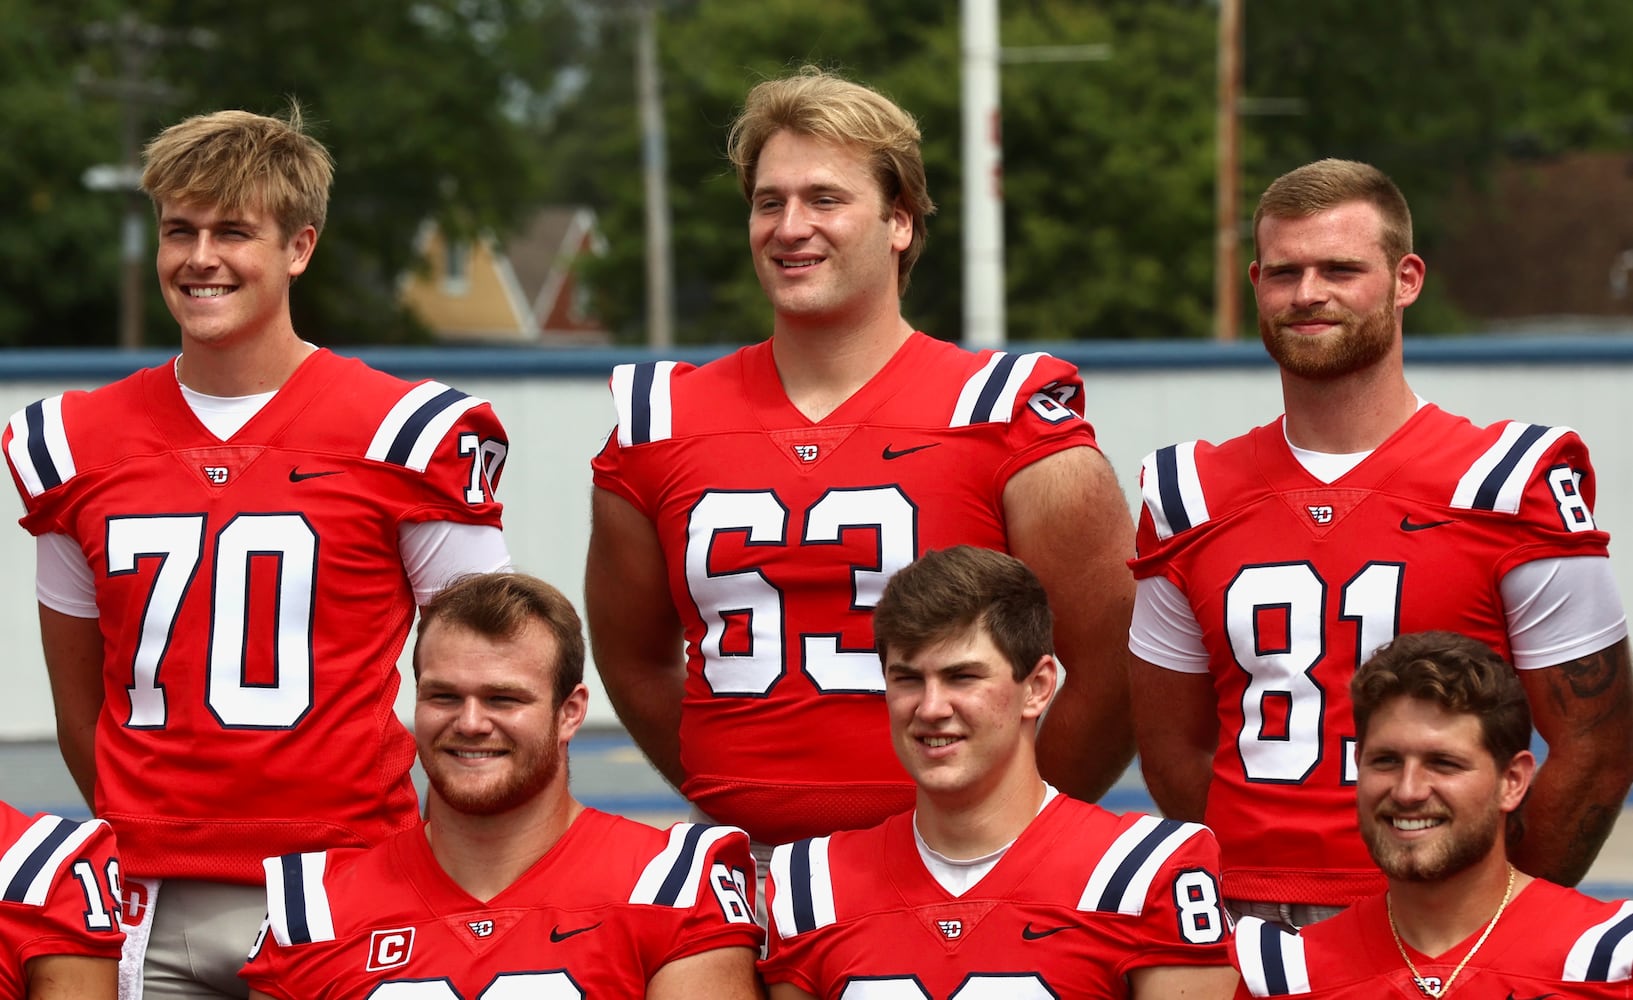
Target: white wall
x=557, y=423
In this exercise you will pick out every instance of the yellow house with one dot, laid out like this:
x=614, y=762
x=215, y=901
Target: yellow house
x=523, y=289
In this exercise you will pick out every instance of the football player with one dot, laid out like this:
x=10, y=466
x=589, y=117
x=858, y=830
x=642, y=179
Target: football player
x=1271, y=565
x=994, y=884
x=1444, y=729
x=754, y=507
x=511, y=888
x=60, y=933
x=231, y=549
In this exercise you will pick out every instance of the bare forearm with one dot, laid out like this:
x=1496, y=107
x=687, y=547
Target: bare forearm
x=1179, y=784
x=1087, y=739
x=1584, y=710
x=1572, y=808
x=649, y=707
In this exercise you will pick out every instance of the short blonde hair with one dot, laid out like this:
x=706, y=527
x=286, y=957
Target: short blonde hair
x=1325, y=184
x=237, y=160
x=816, y=103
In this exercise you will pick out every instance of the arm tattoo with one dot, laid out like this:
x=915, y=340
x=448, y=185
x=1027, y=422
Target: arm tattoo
x=1598, y=677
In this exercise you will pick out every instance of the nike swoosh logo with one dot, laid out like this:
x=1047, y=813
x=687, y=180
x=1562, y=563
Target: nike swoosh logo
x=1033, y=935
x=297, y=476
x=890, y=453
x=1540, y=996
x=1407, y=524
x=557, y=935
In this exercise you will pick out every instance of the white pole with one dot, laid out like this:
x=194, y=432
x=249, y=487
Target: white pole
x=983, y=178
x=660, y=282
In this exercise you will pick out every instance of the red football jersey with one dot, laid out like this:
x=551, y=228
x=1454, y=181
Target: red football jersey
x=610, y=904
x=59, y=893
x=1550, y=942
x=1294, y=582
x=1082, y=898
x=252, y=599
x=780, y=534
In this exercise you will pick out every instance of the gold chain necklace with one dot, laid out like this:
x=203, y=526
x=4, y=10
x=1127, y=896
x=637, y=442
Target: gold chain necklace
x=1436, y=992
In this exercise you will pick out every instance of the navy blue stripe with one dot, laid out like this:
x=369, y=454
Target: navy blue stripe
x=295, y=900
x=1486, y=497
x=1131, y=864
x=403, y=445
x=38, y=452
x=1270, y=957
x=31, y=868
x=799, y=874
x=1599, y=966
x=676, y=879
x=989, y=393
x=1173, y=505
x=640, y=403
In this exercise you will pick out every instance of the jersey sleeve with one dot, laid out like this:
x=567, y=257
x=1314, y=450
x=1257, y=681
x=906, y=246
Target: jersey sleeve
x=705, y=875
x=40, y=459
x=59, y=890
x=1038, y=398
x=285, y=961
x=1173, y=893
x=1172, y=502
x=797, y=909
x=643, y=400
x=455, y=443
x=1541, y=478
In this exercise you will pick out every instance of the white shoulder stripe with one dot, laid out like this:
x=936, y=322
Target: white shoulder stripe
x=297, y=901
x=415, y=426
x=989, y=395
x=1172, y=489
x=675, y=875
x=1496, y=481
x=1122, y=878
x=39, y=446
x=804, y=899
x=1271, y=960
x=30, y=866
x=1604, y=952
x=640, y=393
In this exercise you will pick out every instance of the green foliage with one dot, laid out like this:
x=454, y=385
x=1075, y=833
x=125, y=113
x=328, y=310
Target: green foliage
x=431, y=109
x=474, y=112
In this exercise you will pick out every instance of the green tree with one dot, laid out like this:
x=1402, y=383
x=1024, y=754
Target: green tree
x=434, y=109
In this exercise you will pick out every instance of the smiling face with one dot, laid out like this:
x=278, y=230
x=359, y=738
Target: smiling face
x=1432, y=800
x=488, y=734
x=226, y=276
x=1329, y=300
x=962, y=725
x=825, y=244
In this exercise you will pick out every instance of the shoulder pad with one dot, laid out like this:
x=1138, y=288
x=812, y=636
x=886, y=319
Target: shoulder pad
x=1496, y=481
x=805, y=889
x=988, y=396
x=641, y=395
x=1172, y=489
x=1604, y=952
x=297, y=901
x=1122, y=878
x=409, y=434
x=39, y=446
x=1271, y=959
x=674, y=876
x=30, y=866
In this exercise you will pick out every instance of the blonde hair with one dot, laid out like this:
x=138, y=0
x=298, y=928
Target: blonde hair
x=237, y=160
x=1325, y=184
x=816, y=103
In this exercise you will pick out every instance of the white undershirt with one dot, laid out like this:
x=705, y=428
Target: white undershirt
x=959, y=876
x=433, y=553
x=1557, y=609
